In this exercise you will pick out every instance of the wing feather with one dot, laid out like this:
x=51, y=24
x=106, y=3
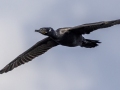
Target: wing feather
x=36, y=50
x=87, y=28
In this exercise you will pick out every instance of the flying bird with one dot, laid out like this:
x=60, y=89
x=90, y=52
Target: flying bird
x=67, y=36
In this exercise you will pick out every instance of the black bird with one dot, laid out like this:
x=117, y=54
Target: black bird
x=68, y=36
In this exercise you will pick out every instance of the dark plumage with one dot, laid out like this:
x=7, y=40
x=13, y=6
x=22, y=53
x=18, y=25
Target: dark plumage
x=68, y=36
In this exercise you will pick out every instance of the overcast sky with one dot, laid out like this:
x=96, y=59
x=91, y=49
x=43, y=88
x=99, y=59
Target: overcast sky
x=61, y=68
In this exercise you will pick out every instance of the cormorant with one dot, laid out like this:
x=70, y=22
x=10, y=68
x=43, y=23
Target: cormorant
x=67, y=36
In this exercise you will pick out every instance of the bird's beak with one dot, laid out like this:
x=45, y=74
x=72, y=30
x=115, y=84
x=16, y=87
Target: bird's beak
x=37, y=30
x=41, y=31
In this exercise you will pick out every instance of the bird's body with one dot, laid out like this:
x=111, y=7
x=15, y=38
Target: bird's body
x=68, y=36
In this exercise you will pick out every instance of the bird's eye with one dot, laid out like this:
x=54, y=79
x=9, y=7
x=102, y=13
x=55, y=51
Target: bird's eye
x=42, y=29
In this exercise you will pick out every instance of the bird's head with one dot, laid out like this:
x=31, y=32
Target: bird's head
x=46, y=31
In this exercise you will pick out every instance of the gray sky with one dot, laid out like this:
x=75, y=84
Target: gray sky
x=61, y=68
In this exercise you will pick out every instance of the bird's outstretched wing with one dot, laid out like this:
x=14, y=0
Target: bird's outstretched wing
x=36, y=50
x=87, y=28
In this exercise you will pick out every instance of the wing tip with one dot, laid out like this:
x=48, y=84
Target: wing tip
x=1, y=72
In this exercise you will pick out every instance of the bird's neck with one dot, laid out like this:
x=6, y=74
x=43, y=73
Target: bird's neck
x=53, y=35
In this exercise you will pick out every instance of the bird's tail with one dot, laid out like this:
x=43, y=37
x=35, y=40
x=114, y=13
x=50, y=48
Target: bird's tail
x=90, y=43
